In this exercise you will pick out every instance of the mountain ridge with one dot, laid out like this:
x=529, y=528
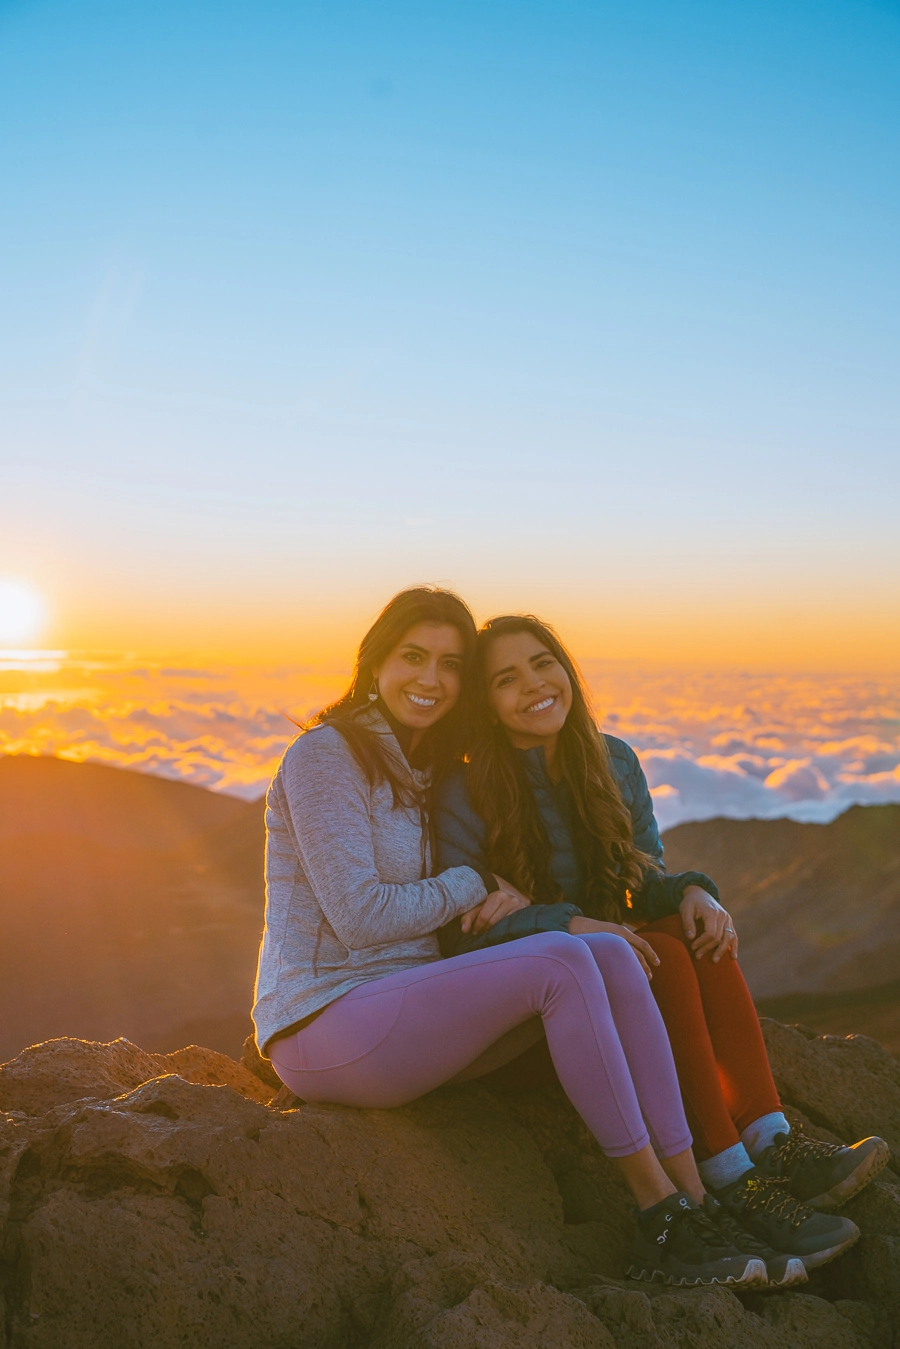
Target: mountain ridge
x=133, y=905
x=817, y=906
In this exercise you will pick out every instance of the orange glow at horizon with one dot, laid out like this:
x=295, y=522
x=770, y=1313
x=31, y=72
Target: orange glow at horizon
x=712, y=742
x=759, y=637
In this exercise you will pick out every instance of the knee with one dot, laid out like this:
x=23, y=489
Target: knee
x=611, y=951
x=672, y=952
x=668, y=927
x=667, y=934
x=617, y=959
x=560, y=946
x=553, y=943
x=612, y=944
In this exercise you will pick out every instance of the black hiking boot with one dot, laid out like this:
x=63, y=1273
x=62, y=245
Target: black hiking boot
x=785, y=1271
x=676, y=1243
x=823, y=1175
x=773, y=1215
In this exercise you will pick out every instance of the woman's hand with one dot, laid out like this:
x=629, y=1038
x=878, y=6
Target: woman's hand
x=506, y=899
x=718, y=935
x=642, y=949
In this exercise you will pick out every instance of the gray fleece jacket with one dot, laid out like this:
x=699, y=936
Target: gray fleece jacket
x=349, y=895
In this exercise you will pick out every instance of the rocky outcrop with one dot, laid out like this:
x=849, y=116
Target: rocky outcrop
x=848, y=1086
x=817, y=905
x=61, y=1071
x=153, y=1201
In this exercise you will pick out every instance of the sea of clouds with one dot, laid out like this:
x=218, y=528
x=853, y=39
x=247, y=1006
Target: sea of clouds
x=733, y=744
x=751, y=745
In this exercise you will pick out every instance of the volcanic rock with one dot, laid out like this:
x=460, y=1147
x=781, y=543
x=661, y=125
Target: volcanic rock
x=141, y=1209
x=60, y=1071
x=817, y=905
x=849, y=1086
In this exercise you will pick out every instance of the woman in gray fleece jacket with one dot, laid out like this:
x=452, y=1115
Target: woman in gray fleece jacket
x=354, y=1004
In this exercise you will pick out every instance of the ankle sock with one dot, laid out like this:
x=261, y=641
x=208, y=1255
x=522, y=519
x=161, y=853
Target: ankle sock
x=761, y=1133
x=725, y=1168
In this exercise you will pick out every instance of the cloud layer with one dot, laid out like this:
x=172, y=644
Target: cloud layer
x=738, y=745
x=744, y=745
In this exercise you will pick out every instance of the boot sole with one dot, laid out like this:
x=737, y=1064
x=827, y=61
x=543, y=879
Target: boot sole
x=819, y=1258
x=794, y=1274
x=867, y=1170
x=755, y=1275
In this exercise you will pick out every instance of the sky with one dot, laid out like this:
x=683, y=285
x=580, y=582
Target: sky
x=584, y=308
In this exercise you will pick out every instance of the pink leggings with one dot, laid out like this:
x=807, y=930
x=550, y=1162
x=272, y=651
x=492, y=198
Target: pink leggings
x=393, y=1039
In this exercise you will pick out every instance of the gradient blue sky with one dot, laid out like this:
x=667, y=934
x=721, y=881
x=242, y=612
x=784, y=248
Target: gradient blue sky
x=587, y=308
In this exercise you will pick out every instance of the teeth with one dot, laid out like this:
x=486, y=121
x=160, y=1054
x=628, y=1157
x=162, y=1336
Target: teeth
x=421, y=702
x=539, y=707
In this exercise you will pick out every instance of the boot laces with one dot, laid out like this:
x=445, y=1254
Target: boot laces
x=797, y=1148
x=763, y=1194
x=739, y=1237
x=702, y=1227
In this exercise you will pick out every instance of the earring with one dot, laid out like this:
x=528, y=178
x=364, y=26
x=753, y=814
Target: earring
x=373, y=692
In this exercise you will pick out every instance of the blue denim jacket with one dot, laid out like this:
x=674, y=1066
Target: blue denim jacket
x=461, y=835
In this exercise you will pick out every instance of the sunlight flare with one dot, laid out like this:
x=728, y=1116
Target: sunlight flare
x=23, y=612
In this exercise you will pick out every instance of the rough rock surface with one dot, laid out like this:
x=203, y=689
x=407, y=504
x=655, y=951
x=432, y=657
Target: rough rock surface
x=60, y=1071
x=153, y=1201
x=850, y=1086
x=817, y=905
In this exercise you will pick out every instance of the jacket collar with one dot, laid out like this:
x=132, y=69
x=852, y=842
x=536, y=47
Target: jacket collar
x=402, y=734
x=378, y=719
x=535, y=761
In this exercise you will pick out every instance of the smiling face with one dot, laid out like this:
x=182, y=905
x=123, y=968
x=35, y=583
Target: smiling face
x=419, y=680
x=528, y=689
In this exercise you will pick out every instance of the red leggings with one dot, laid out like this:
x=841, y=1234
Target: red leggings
x=717, y=1044
x=723, y=1070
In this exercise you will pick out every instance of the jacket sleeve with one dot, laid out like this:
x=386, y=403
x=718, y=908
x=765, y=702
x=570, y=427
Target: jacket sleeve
x=325, y=800
x=522, y=923
x=661, y=894
x=460, y=841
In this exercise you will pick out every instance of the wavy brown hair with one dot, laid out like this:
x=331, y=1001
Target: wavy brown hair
x=517, y=843
x=419, y=604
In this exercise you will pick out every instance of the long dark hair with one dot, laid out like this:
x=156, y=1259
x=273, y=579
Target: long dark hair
x=419, y=604
x=517, y=843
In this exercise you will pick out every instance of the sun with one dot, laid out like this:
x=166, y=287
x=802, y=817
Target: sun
x=23, y=612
